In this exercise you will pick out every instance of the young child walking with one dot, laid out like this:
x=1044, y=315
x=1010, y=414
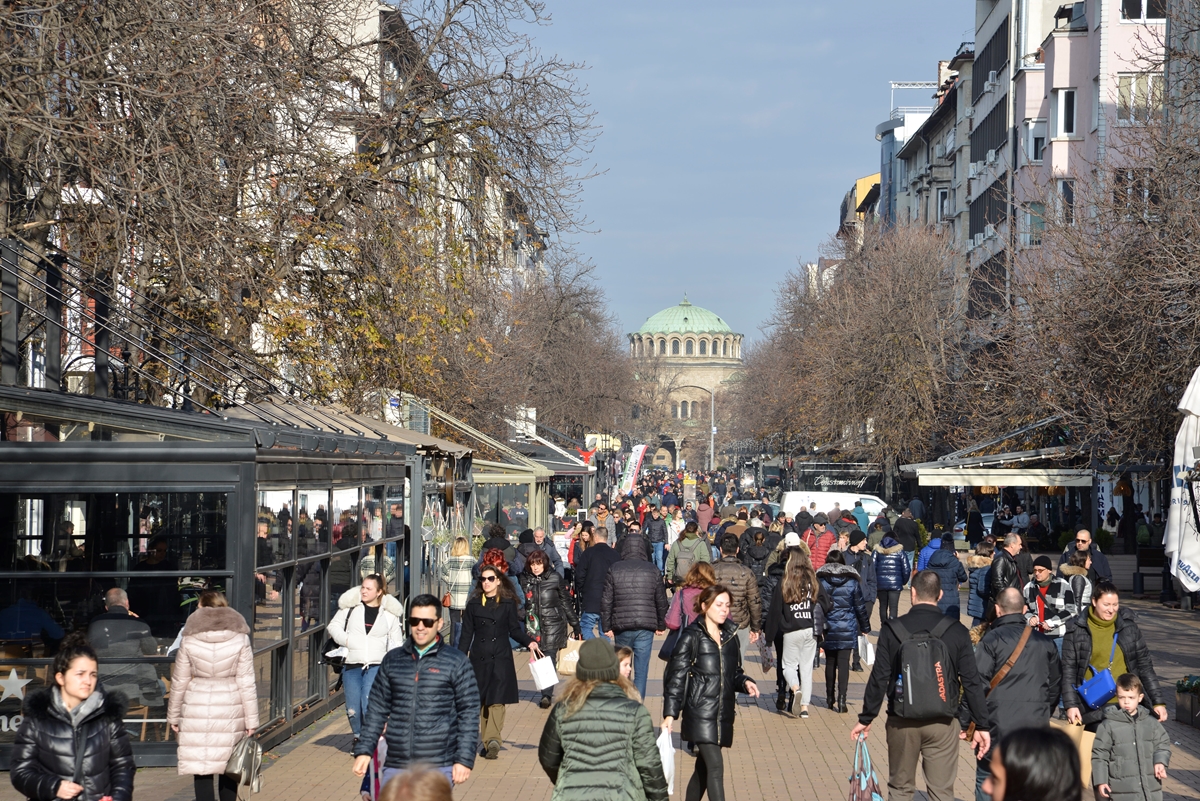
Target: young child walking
x=1132, y=749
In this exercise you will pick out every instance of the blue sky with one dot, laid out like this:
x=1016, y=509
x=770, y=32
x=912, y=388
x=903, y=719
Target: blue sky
x=731, y=131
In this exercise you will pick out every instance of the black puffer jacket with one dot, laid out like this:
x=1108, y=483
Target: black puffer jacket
x=547, y=598
x=655, y=530
x=431, y=704
x=702, y=678
x=1077, y=652
x=46, y=744
x=634, y=546
x=634, y=598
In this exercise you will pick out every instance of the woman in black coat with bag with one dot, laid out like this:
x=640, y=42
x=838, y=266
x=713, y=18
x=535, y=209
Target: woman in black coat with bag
x=704, y=673
x=74, y=712
x=547, y=611
x=845, y=619
x=489, y=619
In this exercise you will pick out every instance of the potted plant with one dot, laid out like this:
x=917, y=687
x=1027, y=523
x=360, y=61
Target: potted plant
x=1187, y=700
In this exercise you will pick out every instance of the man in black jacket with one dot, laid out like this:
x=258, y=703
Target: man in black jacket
x=934, y=741
x=1006, y=570
x=656, y=533
x=425, y=694
x=907, y=533
x=1028, y=694
x=633, y=606
x=591, y=569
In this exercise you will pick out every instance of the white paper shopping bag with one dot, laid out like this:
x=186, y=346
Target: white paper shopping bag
x=544, y=674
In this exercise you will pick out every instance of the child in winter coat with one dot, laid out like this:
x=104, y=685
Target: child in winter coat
x=1132, y=749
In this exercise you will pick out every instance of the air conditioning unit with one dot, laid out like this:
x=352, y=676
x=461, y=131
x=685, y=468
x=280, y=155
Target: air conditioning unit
x=989, y=232
x=991, y=157
x=939, y=151
x=968, y=112
x=978, y=240
x=970, y=243
x=973, y=170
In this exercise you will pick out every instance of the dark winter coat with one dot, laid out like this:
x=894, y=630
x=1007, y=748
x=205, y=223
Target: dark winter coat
x=702, y=677
x=770, y=583
x=745, y=602
x=1029, y=693
x=950, y=570
x=547, y=597
x=604, y=752
x=978, y=570
x=547, y=547
x=430, y=706
x=864, y=563
x=1077, y=652
x=755, y=558
x=634, y=597
x=1100, y=564
x=926, y=553
x=634, y=546
x=485, y=632
x=655, y=530
x=906, y=532
x=309, y=577
x=849, y=617
x=591, y=569
x=1004, y=574
x=1125, y=752
x=892, y=566
x=43, y=754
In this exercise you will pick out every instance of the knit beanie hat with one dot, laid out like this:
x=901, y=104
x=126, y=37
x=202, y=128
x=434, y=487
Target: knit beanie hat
x=597, y=661
x=856, y=536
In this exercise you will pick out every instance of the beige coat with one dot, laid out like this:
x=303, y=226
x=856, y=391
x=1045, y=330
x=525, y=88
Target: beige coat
x=213, y=697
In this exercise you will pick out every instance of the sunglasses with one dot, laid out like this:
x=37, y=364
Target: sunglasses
x=416, y=622
x=1083, y=542
x=489, y=578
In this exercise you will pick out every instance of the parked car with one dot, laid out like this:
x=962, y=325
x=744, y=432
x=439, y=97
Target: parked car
x=960, y=528
x=795, y=500
x=774, y=507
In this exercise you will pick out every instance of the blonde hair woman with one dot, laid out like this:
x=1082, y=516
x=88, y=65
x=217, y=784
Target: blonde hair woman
x=598, y=723
x=456, y=574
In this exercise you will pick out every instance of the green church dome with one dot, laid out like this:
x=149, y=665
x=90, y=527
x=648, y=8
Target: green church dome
x=685, y=319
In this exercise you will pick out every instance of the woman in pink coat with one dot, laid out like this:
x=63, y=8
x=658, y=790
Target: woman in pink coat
x=213, y=699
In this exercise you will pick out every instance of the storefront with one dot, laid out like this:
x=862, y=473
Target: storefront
x=282, y=507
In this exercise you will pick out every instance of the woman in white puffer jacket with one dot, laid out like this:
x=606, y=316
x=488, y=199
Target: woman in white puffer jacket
x=367, y=623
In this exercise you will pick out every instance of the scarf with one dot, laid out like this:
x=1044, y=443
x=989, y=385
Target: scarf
x=1102, y=646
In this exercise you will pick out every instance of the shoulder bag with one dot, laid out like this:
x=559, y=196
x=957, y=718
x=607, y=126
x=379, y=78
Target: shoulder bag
x=1004, y=669
x=1101, y=687
x=245, y=764
x=668, y=645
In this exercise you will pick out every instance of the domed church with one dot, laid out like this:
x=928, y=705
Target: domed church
x=688, y=349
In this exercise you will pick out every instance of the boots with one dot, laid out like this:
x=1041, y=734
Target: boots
x=791, y=701
x=841, y=707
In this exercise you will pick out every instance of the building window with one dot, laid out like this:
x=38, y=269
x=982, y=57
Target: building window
x=1064, y=112
x=687, y=347
x=674, y=410
x=943, y=204
x=724, y=348
x=1035, y=224
x=703, y=347
x=1066, y=200
x=662, y=347
x=1035, y=145
x=683, y=409
x=1143, y=10
x=674, y=347
x=1134, y=189
x=1139, y=97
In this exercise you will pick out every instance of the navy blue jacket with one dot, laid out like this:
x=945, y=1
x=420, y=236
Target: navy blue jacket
x=950, y=570
x=430, y=706
x=864, y=563
x=849, y=617
x=892, y=567
x=978, y=567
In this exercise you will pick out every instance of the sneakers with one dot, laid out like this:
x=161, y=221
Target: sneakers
x=493, y=749
x=544, y=703
x=857, y=667
x=804, y=712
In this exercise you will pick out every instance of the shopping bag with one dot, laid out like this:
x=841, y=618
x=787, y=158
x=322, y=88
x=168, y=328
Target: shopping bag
x=766, y=654
x=666, y=752
x=1083, y=740
x=245, y=764
x=543, y=672
x=864, y=784
x=866, y=651
x=568, y=657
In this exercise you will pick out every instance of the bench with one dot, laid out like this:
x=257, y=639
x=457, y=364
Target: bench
x=1151, y=561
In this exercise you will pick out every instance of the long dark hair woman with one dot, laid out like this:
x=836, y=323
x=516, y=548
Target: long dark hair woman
x=598, y=742
x=796, y=614
x=548, y=611
x=489, y=619
x=704, y=673
x=1031, y=764
x=74, y=713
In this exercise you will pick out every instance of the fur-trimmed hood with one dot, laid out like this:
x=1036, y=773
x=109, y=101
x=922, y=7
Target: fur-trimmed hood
x=890, y=549
x=40, y=705
x=831, y=571
x=975, y=561
x=1072, y=570
x=352, y=598
x=215, y=624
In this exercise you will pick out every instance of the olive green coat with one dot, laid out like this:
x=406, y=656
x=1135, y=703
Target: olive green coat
x=1125, y=753
x=606, y=751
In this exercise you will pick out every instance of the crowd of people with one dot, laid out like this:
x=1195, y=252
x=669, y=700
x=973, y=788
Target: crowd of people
x=719, y=577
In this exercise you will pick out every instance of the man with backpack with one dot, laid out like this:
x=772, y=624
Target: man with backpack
x=691, y=547
x=923, y=664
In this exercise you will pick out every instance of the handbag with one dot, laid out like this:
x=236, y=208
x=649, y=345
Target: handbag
x=1003, y=671
x=446, y=600
x=245, y=764
x=1101, y=687
x=766, y=654
x=668, y=646
x=864, y=783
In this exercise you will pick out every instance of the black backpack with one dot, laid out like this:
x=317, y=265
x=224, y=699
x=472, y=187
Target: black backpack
x=927, y=688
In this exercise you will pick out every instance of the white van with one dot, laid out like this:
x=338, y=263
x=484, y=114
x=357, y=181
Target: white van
x=797, y=500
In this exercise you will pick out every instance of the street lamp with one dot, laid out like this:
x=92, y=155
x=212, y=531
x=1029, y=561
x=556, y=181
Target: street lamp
x=712, y=418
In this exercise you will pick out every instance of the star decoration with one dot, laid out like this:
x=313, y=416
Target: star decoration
x=14, y=687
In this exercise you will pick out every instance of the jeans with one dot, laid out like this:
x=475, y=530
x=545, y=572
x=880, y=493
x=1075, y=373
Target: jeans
x=889, y=605
x=455, y=627
x=642, y=643
x=358, y=689
x=799, y=647
x=590, y=623
x=709, y=774
x=660, y=560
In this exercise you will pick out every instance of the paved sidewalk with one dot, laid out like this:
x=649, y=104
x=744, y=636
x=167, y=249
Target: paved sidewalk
x=773, y=757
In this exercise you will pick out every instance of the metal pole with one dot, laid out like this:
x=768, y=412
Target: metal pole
x=712, y=427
